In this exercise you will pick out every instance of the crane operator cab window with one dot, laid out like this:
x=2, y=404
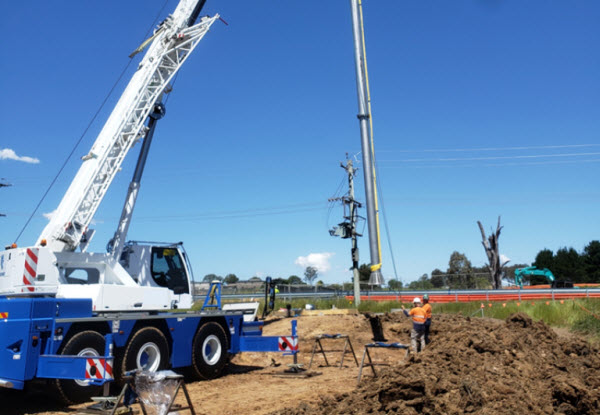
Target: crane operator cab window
x=168, y=270
x=82, y=275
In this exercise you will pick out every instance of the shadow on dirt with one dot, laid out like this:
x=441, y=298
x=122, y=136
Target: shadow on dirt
x=233, y=369
x=36, y=398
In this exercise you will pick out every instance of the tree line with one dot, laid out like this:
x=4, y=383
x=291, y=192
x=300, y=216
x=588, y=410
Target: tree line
x=566, y=264
x=291, y=280
x=569, y=265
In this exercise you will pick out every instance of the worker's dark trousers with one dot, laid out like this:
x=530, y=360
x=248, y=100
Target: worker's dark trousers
x=427, y=326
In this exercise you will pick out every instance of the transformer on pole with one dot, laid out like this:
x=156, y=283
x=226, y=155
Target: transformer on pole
x=347, y=229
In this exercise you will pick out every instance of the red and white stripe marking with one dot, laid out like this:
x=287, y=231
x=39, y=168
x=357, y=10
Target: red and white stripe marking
x=98, y=369
x=30, y=272
x=288, y=343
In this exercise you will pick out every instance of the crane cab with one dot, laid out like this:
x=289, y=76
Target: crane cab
x=160, y=265
x=149, y=276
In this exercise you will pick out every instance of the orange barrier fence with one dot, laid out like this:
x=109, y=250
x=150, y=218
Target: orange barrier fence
x=547, y=286
x=465, y=298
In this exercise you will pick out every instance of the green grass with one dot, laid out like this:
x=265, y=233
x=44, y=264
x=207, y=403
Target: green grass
x=329, y=303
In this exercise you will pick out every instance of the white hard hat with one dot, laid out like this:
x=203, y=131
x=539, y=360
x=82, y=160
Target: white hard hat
x=417, y=300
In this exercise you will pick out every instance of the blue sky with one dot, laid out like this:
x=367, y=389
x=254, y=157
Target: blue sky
x=481, y=108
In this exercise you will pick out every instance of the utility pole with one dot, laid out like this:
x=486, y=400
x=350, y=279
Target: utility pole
x=4, y=184
x=366, y=135
x=347, y=229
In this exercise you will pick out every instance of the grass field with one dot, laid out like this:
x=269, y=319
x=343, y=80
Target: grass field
x=577, y=315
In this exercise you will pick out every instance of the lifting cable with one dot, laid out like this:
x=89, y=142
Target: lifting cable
x=332, y=203
x=86, y=130
x=375, y=169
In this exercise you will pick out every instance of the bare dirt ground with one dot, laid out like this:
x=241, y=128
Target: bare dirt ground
x=480, y=366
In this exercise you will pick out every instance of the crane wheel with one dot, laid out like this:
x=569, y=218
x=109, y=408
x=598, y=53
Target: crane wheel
x=87, y=343
x=209, y=351
x=147, y=350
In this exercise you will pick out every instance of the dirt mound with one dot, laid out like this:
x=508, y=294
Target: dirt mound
x=480, y=366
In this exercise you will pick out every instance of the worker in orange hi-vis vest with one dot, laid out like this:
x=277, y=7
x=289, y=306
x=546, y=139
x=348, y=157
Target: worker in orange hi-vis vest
x=417, y=335
x=427, y=308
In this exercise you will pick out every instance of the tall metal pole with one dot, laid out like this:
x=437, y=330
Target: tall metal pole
x=376, y=277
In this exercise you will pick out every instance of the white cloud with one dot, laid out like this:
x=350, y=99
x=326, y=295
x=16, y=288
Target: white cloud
x=318, y=260
x=8, y=154
x=49, y=215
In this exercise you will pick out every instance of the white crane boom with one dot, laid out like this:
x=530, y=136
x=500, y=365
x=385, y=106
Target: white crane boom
x=172, y=43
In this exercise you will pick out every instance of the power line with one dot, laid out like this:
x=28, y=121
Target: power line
x=278, y=210
x=226, y=215
x=490, y=158
x=513, y=164
x=492, y=148
x=333, y=204
x=242, y=213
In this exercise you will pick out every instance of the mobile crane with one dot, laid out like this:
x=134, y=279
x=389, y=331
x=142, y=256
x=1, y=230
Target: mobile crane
x=81, y=319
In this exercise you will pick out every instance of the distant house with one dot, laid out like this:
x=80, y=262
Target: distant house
x=253, y=284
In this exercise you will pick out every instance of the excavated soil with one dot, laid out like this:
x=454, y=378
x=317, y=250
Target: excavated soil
x=479, y=366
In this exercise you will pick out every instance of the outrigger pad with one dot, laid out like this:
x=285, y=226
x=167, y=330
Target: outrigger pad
x=390, y=345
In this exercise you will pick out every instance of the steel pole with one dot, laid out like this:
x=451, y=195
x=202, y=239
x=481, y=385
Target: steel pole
x=363, y=115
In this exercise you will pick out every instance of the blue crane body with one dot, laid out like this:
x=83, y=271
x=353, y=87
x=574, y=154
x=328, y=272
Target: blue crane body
x=35, y=334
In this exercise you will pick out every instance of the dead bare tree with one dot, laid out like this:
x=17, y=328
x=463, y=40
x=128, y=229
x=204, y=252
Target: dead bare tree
x=495, y=265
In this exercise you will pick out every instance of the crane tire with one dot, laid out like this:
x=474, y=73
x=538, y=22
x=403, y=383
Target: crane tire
x=148, y=350
x=209, y=351
x=86, y=343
